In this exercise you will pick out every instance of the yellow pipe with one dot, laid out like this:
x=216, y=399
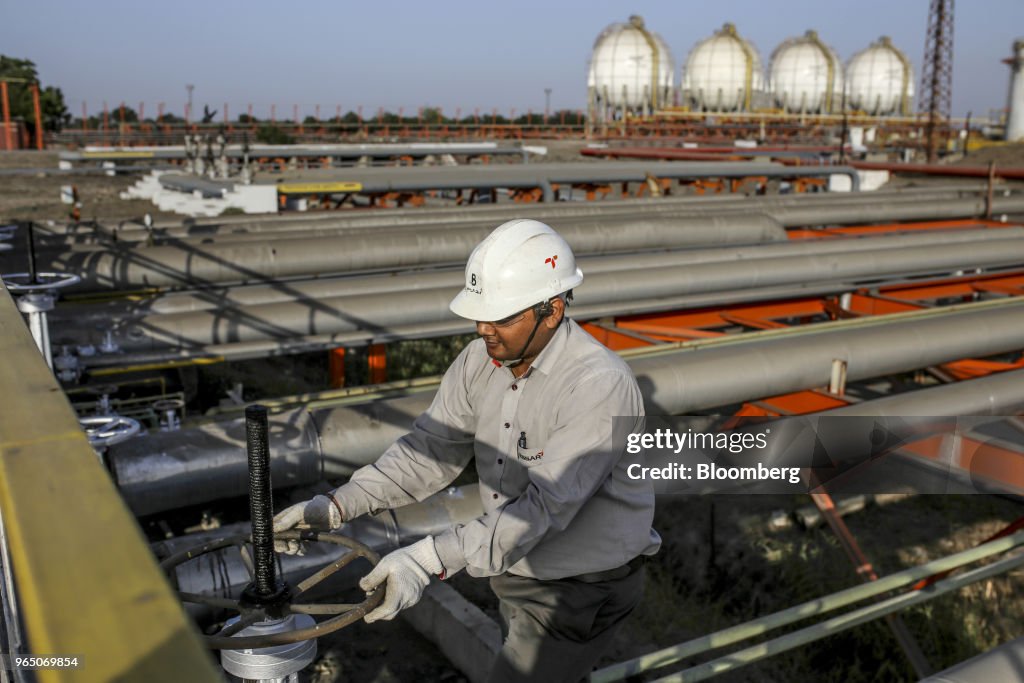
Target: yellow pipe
x=166, y=365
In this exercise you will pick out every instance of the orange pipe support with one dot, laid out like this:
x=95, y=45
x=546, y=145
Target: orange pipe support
x=39, y=116
x=8, y=133
x=378, y=363
x=336, y=367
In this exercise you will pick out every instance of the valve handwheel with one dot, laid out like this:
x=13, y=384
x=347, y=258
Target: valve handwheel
x=107, y=430
x=267, y=600
x=250, y=614
x=40, y=282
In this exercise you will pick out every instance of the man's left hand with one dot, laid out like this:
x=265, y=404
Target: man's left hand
x=407, y=572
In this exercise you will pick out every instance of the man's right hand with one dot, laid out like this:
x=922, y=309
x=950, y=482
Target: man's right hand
x=319, y=513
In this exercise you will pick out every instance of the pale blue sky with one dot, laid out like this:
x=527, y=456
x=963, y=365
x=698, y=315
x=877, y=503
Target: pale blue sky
x=453, y=54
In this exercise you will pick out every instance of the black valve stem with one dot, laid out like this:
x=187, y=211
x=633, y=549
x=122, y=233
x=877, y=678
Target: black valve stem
x=265, y=589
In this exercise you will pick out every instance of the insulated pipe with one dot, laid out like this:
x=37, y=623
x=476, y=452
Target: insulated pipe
x=311, y=343
x=310, y=291
x=204, y=265
x=236, y=151
x=211, y=464
x=379, y=312
x=329, y=223
x=403, y=179
x=272, y=260
x=223, y=573
x=838, y=212
x=162, y=471
x=393, y=217
x=922, y=169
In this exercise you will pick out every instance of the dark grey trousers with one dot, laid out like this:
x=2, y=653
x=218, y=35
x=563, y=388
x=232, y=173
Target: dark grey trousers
x=555, y=631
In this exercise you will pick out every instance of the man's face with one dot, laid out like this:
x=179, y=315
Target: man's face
x=504, y=339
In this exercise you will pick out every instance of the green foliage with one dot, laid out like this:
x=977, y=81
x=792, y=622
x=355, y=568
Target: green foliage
x=20, y=74
x=245, y=118
x=125, y=115
x=432, y=115
x=272, y=135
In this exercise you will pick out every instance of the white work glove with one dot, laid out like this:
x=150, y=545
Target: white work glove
x=407, y=572
x=319, y=513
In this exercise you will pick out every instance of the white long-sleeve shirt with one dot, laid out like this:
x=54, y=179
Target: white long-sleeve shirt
x=557, y=501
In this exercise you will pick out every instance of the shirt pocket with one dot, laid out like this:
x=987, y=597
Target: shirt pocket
x=530, y=457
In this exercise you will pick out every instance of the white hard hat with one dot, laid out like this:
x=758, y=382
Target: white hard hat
x=521, y=263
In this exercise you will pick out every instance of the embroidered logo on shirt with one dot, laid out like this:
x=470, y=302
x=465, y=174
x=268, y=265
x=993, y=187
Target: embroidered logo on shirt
x=530, y=458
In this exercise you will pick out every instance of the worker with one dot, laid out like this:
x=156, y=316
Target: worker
x=564, y=530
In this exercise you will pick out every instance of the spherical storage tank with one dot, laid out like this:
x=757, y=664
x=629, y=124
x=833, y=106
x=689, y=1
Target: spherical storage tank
x=806, y=76
x=631, y=68
x=880, y=80
x=723, y=73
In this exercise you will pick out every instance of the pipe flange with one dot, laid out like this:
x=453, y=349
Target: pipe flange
x=36, y=302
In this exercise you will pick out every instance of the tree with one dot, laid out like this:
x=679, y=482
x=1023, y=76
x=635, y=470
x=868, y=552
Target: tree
x=21, y=74
x=272, y=135
x=432, y=115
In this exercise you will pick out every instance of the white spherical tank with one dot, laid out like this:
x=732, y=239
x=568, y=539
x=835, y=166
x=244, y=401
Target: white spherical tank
x=631, y=68
x=880, y=80
x=806, y=76
x=723, y=73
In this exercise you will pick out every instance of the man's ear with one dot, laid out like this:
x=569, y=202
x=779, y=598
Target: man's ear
x=557, y=311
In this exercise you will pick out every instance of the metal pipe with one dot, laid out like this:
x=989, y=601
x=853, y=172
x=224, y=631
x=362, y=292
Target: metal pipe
x=100, y=364
x=923, y=169
x=118, y=312
x=272, y=260
x=379, y=312
x=393, y=217
x=838, y=212
x=165, y=470
x=210, y=463
x=788, y=215
x=224, y=573
x=941, y=169
x=338, y=151
x=376, y=180
x=328, y=223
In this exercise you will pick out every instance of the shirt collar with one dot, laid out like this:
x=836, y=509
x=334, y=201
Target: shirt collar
x=550, y=354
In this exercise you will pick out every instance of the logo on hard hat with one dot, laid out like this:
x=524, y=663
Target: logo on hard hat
x=471, y=285
x=551, y=260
